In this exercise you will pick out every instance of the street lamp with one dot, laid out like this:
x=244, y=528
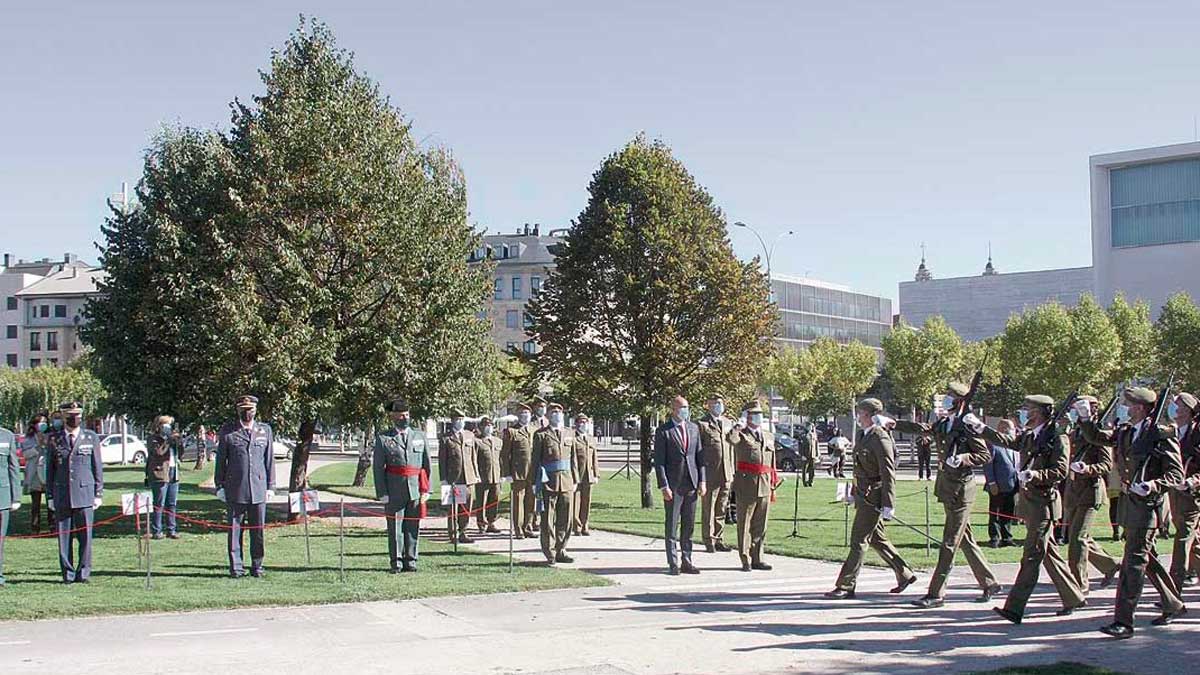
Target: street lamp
x=767, y=251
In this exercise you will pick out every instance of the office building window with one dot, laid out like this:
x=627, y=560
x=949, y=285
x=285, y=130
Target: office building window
x=498, y=293
x=516, y=288
x=530, y=346
x=10, y=304
x=60, y=311
x=510, y=319
x=52, y=341
x=34, y=363
x=10, y=332
x=35, y=341
x=528, y=321
x=1155, y=203
x=11, y=360
x=45, y=313
x=535, y=286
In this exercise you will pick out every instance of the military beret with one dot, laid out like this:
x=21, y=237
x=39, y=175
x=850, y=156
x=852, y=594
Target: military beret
x=484, y=420
x=581, y=417
x=716, y=396
x=523, y=406
x=957, y=389
x=71, y=407
x=1188, y=400
x=397, y=405
x=1039, y=399
x=753, y=406
x=871, y=405
x=1141, y=395
x=456, y=412
x=555, y=406
x=246, y=401
x=1087, y=397
x=538, y=399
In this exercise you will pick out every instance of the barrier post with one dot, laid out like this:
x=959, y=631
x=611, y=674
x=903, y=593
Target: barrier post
x=452, y=523
x=927, y=520
x=512, y=523
x=846, y=525
x=342, y=539
x=148, y=546
x=304, y=515
x=137, y=527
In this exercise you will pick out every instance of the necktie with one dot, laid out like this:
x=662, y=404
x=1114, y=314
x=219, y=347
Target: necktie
x=683, y=438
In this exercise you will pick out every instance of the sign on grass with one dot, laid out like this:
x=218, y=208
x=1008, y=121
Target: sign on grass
x=311, y=501
x=143, y=500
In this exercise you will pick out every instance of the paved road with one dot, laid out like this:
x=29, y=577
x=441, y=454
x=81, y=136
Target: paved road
x=720, y=621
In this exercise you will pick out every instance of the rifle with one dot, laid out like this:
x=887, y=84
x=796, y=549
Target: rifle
x=957, y=429
x=1160, y=406
x=1050, y=427
x=1108, y=409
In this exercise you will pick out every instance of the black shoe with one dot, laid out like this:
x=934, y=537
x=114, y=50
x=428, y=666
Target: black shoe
x=993, y=543
x=1168, y=617
x=688, y=568
x=673, y=571
x=840, y=594
x=1190, y=580
x=518, y=535
x=1004, y=543
x=394, y=570
x=990, y=592
x=84, y=580
x=709, y=548
x=1010, y=616
x=238, y=574
x=746, y=566
x=928, y=603
x=172, y=535
x=409, y=567
x=1108, y=579
x=585, y=533
x=464, y=539
x=563, y=558
x=762, y=566
x=1068, y=611
x=722, y=547
x=492, y=529
x=904, y=584
x=1118, y=630
x=258, y=573
x=158, y=535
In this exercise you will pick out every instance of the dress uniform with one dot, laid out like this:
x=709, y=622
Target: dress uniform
x=75, y=478
x=245, y=478
x=717, y=450
x=1086, y=494
x=554, y=464
x=587, y=473
x=401, y=466
x=487, y=492
x=810, y=455
x=516, y=452
x=1185, y=501
x=456, y=466
x=1148, y=460
x=960, y=451
x=10, y=487
x=1043, y=466
x=754, y=482
x=874, y=458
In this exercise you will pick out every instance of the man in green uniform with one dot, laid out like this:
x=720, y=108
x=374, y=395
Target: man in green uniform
x=1185, y=500
x=1044, y=464
x=554, y=464
x=587, y=473
x=960, y=451
x=401, y=465
x=716, y=450
x=1086, y=494
x=456, y=464
x=487, y=491
x=754, y=483
x=874, y=457
x=810, y=455
x=1148, y=460
x=516, y=451
x=10, y=487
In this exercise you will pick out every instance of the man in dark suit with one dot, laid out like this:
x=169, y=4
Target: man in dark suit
x=10, y=487
x=76, y=481
x=681, y=476
x=245, y=480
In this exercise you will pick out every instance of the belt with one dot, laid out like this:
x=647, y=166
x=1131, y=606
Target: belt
x=557, y=465
x=407, y=471
x=759, y=469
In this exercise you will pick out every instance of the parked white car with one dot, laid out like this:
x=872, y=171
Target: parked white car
x=282, y=449
x=110, y=450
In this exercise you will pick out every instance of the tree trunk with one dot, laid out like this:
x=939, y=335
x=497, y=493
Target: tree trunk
x=364, y=458
x=647, y=494
x=299, y=477
x=201, y=452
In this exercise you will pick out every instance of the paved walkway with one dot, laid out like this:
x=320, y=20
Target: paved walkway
x=722, y=621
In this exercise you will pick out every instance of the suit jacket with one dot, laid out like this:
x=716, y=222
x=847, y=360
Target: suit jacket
x=75, y=475
x=553, y=453
x=716, y=449
x=1089, y=488
x=399, y=448
x=487, y=459
x=587, y=464
x=753, y=448
x=680, y=468
x=1153, y=458
x=10, y=471
x=953, y=486
x=875, y=468
x=456, y=459
x=516, y=452
x=1048, y=466
x=245, y=465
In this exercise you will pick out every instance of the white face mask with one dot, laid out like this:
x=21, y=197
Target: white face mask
x=685, y=413
x=523, y=417
x=458, y=424
x=756, y=420
x=1122, y=413
x=487, y=430
x=717, y=409
x=582, y=428
x=556, y=419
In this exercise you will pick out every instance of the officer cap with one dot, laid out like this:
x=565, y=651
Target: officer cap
x=554, y=406
x=456, y=412
x=1088, y=398
x=538, y=399
x=752, y=406
x=716, y=396
x=247, y=401
x=1188, y=400
x=957, y=389
x=523, y=406
x=1141, y=395
x=71, y=407
x=1039, y=399
x=485, y=420
x=871, y=405
x=581, y=418
x=397, y=405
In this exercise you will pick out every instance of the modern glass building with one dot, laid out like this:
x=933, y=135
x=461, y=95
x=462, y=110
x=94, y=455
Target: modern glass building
x=1146, y=222
x=811, y=309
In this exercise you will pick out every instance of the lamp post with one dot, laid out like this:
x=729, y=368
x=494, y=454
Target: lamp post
x=768, y=251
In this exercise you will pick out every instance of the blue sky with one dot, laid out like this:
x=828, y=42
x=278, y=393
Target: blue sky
x=867, y=127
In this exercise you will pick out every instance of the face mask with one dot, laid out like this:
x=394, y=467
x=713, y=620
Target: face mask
x=1073, y=416
x=717, y=409
x=1122, y=413
x=948, y=402
x=582, y=428
x=556, y=419
x=41, y=427
x=541, y=412
x=166, y=429
x=684, y=413
x=756, y=419
x=246, y=415
x=523, y=417
x=1023, y=416
x=458, y=425
x=487, y=430
x=1172, y=409
x=58, y=423
x=402, y=423
x=72, y=421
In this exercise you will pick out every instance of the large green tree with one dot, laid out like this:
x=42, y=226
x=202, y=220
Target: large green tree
x=647, y=299
x=1138, y=355
x=1051, y=349
x=920, y=362
x=1177, y=335
x=24, y=393
x=334, y=251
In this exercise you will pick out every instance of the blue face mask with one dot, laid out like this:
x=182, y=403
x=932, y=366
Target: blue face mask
x=948, y=402
x=458, y=424
x=166, y=429
x=717, y=409
x=685, y=413
x=524, y=416
x=756, y=419
x=556, y=419
x=487, y=430
x=41, y=427
x=1023, y=416
x=58, y=423
x=1122, y=413
x=1172, y=409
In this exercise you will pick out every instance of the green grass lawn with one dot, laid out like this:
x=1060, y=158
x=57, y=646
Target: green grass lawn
x=191, y=573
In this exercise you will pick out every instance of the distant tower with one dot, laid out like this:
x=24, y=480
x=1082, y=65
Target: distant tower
x=923, y=273
x=989, y=270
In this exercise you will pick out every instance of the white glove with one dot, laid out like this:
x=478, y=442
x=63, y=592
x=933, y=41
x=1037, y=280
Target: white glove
x=887, y=512
x=1140, y=489
x=883, y=421
x=593, y=480
x=49, y=504
x=1084, y=410
x=507, y=419
x=97, y=502
x=953, y=461
x=270, y=494
x=424, y=497
x=16, y=506
x=1078, y=467
x=972, y=421
x=221, y=494
x=505, y=479
x=383, y=499
x=1025, y=476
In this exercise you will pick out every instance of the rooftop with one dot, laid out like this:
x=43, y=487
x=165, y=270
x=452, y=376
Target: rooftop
x=71, y=281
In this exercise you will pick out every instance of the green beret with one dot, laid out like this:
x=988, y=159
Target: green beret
x=537, y=400
x=456, y=412
x=957, y=389
x=1087, y=397
x=716, y=396
x=871, y=405
x=523, y=406
x=752, y=406
x=554, y=407
x=398, y=405
x=485, y=420
x=581, y=418
x=1188, y=400
x=1039, y=399
x=1141, y=395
